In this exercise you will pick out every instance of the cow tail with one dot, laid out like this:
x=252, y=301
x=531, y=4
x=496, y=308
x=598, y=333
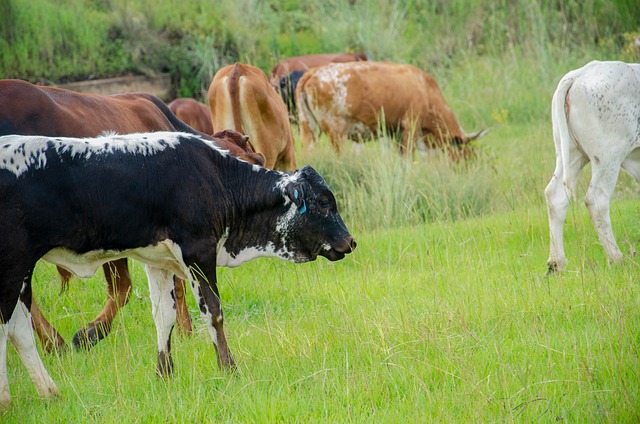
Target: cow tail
x=302, y=100
x=233, y=88
x=560, y=122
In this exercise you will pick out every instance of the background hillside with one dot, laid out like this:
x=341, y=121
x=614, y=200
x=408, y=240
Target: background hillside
x=53, y=41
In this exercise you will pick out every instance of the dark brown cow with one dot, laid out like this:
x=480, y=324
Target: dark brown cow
x=307, y=61
x=192, y=113
x=353, y=100
x=35, y=110
x=241, y=98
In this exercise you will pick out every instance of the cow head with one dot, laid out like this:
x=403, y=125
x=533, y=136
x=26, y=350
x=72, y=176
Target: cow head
x=239, y=145
x=312, y=226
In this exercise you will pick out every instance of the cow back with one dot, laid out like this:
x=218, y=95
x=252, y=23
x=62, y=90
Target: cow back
x=241, y=98
x=192, y=113
x=305, y=62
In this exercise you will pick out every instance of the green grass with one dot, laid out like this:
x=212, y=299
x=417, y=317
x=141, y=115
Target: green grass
x=443, y=313
x=434, y=322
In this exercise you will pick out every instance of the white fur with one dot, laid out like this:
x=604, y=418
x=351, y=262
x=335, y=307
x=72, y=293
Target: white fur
x=20, y=153
x=19, y=331
x=602, y=127
x=166, y=255
x=225, y=259
x=162, y=303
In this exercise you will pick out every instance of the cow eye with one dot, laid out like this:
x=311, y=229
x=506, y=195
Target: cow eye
x=324, y=204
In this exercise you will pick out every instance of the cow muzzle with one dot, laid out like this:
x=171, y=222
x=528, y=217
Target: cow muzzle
x=340, y=249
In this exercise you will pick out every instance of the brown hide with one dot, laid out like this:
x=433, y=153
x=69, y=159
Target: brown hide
x=192, y=113
x=28, y=109
x=348, y=100
x=241, y=98
x=302, y=63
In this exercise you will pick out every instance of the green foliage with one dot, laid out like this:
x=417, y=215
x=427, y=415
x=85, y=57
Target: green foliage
x=80, y=38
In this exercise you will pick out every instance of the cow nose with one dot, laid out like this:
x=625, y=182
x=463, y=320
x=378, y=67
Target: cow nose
x=349, y=244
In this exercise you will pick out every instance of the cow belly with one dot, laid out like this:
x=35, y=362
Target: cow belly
x=166, y=255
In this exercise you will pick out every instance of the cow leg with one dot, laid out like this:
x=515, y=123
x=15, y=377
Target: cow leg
x=18, y=330
x=119, y=290
x=558, y=195
x=5, y=393
x=597, y=199
x=182, y=312
x=410, y=135
x=49, y=337
x=22, y=338
x=208, y=298
x=65, y=276
x=163, y=304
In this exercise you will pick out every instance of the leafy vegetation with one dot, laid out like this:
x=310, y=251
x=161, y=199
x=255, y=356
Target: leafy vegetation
x=45, y=40
x=443, y=313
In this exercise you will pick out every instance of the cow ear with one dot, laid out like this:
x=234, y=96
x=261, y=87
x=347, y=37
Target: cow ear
x=296, y=194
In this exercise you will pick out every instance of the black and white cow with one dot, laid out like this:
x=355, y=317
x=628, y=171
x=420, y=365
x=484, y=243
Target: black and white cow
x=595, y=113
x=171, y=200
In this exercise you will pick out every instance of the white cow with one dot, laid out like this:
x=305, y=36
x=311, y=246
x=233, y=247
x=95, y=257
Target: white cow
x=596, y=118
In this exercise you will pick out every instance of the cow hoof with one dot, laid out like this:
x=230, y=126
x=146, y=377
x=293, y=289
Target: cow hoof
x=227, y=364
x=86, y=338
x=54, y=345
x=165, y=365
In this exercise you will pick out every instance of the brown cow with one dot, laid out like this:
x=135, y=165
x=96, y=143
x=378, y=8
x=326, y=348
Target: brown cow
x=302, y=63
x=192, y=113
x=35, y=110
x=352, y=100
x=241, y=98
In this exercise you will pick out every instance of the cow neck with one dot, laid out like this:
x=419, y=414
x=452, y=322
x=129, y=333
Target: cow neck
x=257, y=201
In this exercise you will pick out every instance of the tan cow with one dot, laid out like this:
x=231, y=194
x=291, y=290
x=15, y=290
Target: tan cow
x=353, y=100
x=241, y=98
x=192, y=113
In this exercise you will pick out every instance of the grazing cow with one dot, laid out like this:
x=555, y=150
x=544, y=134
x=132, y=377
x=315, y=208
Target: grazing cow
x=35, y=110
x=242, y=99
x=595, y=114
x=192, y=113
x=287, y=88
x=352, y=100
x=131, y=196
x=305, y=62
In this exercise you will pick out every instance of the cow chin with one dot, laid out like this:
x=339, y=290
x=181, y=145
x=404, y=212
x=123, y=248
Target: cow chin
x=332, y=255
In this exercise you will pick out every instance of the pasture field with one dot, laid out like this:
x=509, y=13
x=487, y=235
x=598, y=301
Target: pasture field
x=442, y=314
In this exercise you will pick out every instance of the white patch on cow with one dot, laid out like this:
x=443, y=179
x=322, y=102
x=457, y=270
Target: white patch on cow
x=163, y=305
x=230, y=260
x=166, y=255
x=20, y=153
x=19, y=331
x=337, y=79
x=226, y=259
